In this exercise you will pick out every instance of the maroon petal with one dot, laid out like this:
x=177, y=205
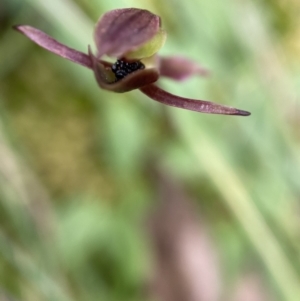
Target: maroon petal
x=180, y=68
x=122, y=30
x=54, y=46
x=106, y=79
x=189, y=104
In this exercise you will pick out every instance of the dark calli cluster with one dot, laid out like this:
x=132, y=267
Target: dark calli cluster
x=122, y=68
x=132, y=37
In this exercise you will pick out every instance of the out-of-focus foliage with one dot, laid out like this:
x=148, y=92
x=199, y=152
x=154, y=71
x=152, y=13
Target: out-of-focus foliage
x=79, y=166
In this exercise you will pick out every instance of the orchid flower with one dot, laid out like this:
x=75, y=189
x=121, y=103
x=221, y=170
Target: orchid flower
x=132, y=37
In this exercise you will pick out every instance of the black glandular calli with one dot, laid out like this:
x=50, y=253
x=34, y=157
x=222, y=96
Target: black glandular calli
x=122, y=68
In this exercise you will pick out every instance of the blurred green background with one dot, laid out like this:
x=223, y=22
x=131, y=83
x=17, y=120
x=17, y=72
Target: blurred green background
x=83, y=171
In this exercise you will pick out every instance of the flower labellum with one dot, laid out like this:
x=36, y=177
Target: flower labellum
x=133, y=37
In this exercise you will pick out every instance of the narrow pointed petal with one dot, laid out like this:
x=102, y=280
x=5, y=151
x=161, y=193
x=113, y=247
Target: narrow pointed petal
x=54, y=46
x=106, y=79
x=122, y=30
x=202, y=106
x=180, y=68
